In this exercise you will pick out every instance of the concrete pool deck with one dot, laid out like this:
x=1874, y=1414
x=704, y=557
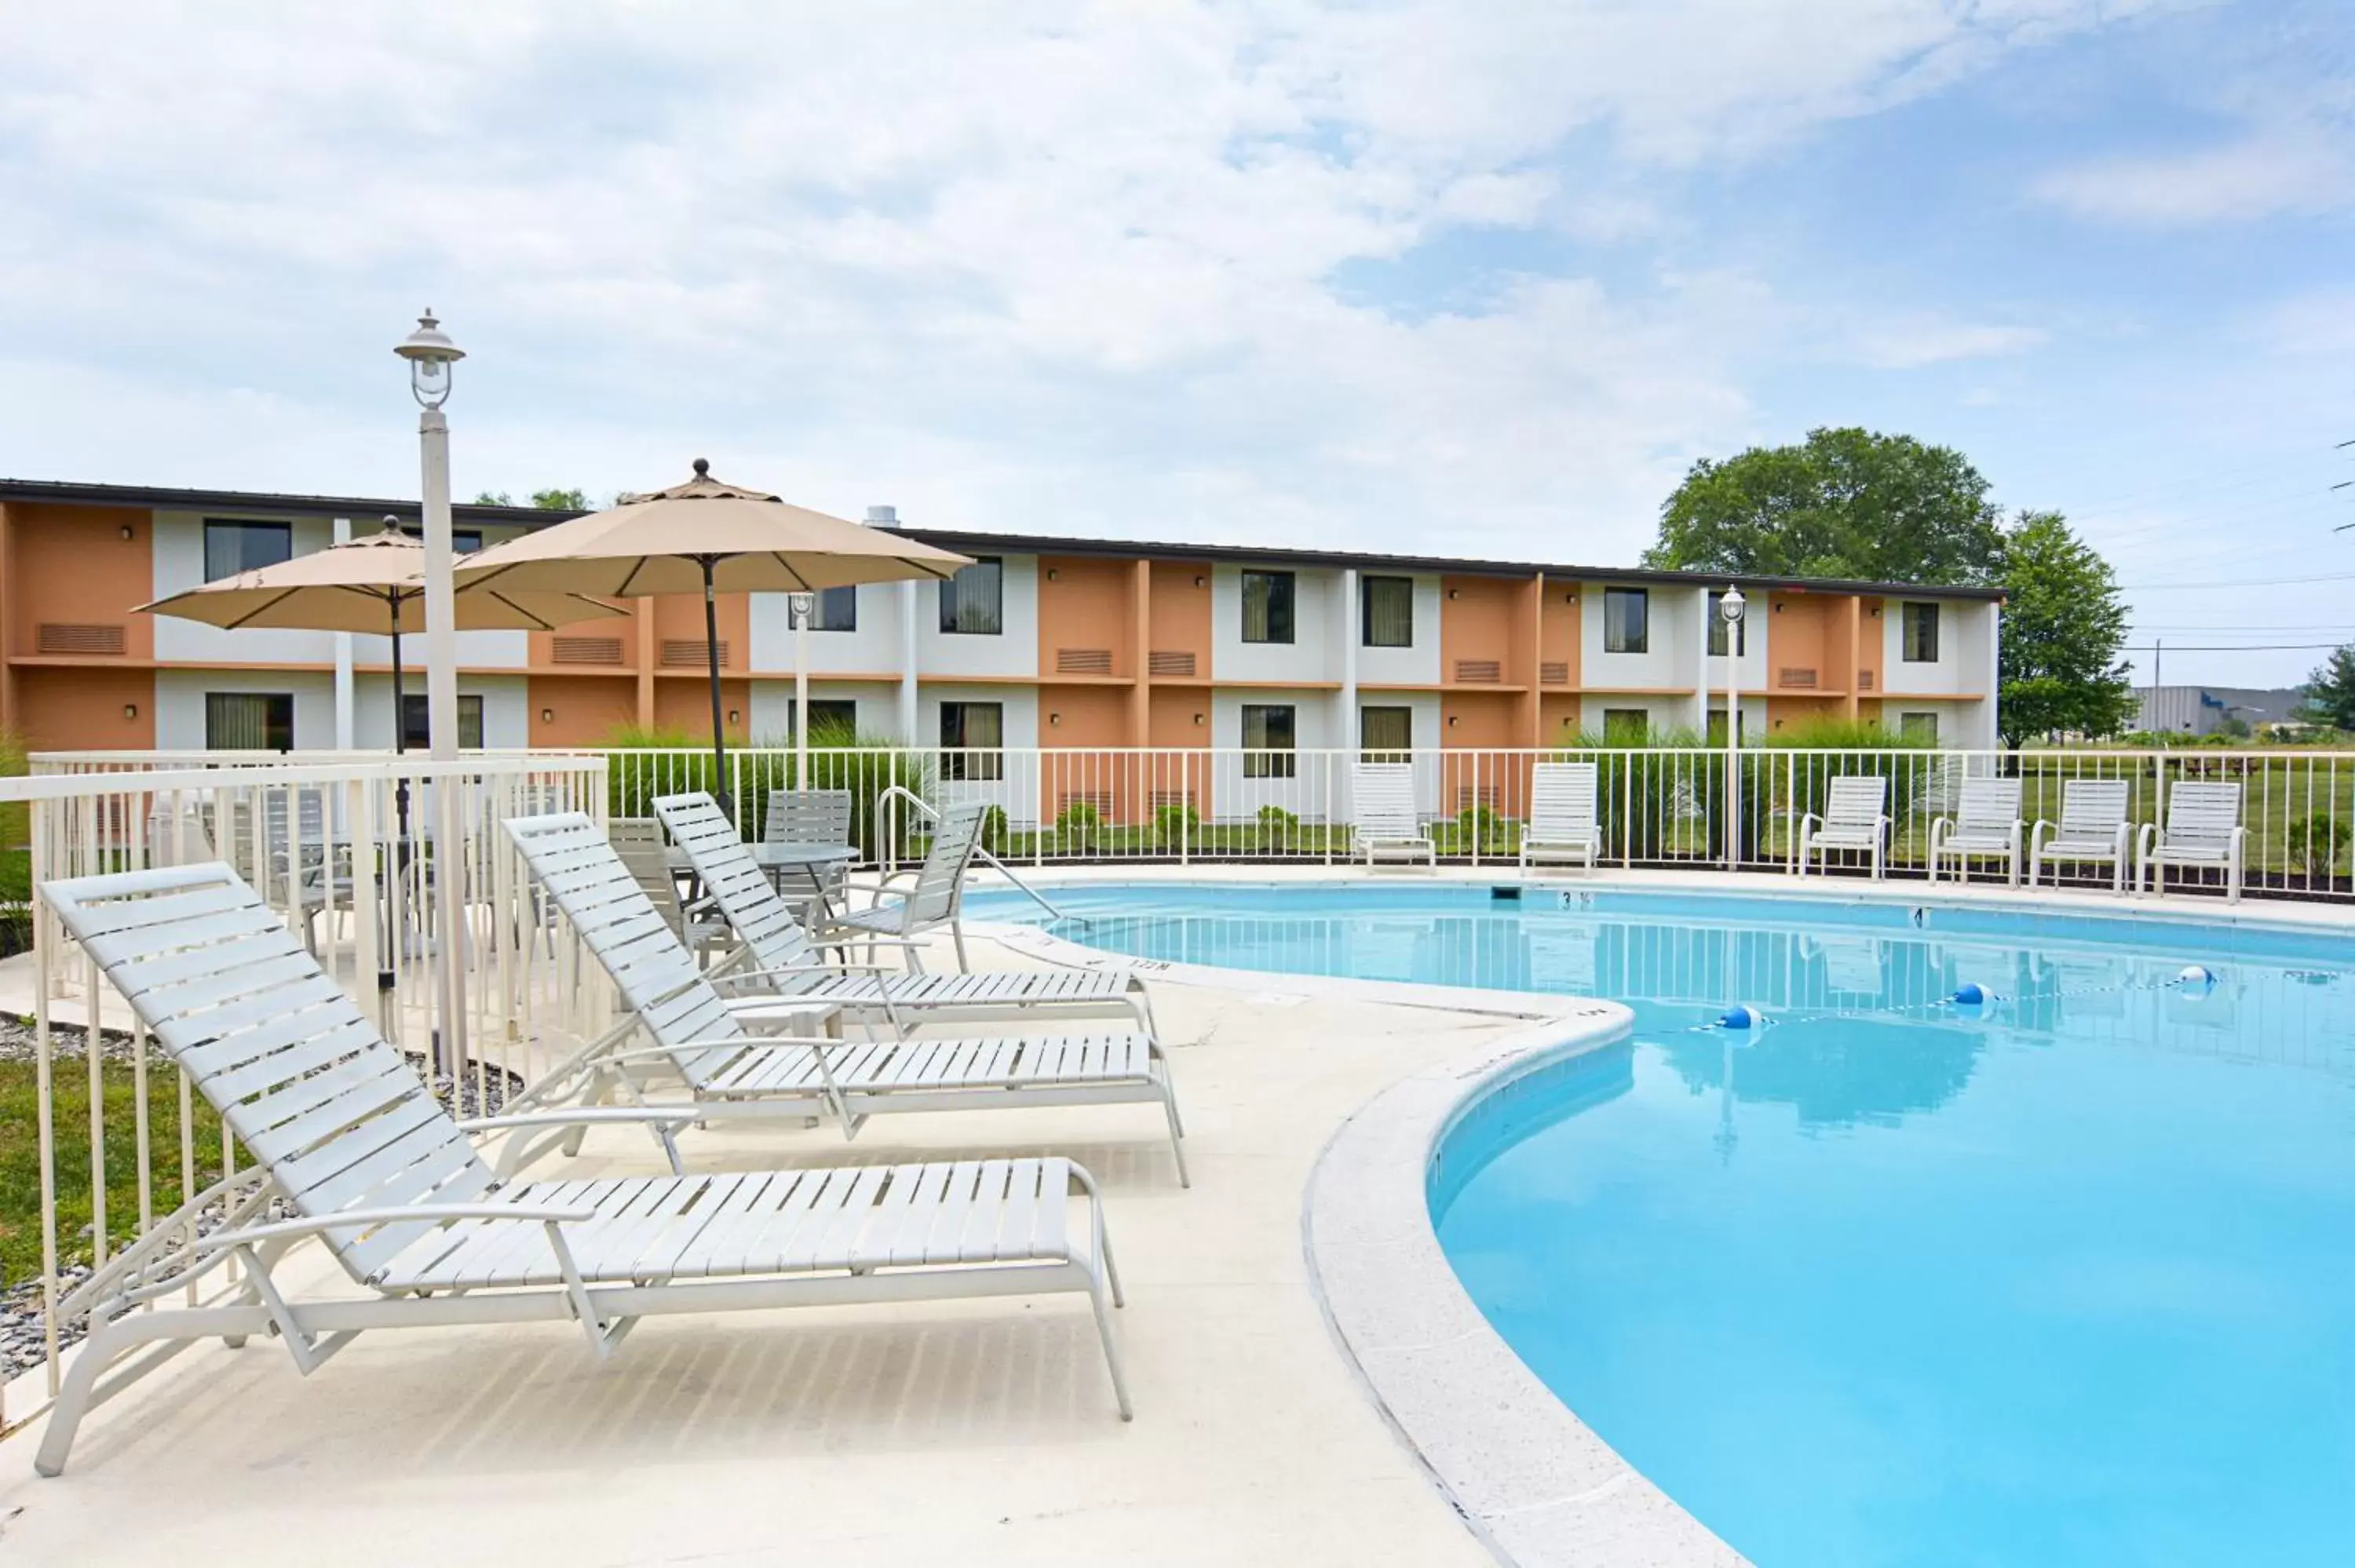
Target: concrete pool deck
x=979, y=1432
x=983, y=1432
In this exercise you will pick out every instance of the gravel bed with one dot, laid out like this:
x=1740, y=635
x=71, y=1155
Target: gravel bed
x=23, y=1337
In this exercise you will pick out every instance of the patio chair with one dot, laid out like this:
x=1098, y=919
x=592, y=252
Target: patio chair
x=343, y=1133
x=2203, y=828
x=703, y=1046
x=1561, y=824
x=639, y=841
x=1388, y=826
x=2092, y=826
x=801, y=817
x=1985, y=826
x=934, y=897
x=785, y=961
x=1856, y=817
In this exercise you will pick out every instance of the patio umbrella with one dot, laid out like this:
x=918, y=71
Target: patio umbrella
x=708, y=536
x=372, y=585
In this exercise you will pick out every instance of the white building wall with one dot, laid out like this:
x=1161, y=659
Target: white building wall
x=1416, y=665
x=873, y=648
x=946, y=655
x=770, y=722
x=1669, y=666
x=1316, y=783
x=1943, y=677
x=1312, y=654
x=1019, y=790
x=180, y=704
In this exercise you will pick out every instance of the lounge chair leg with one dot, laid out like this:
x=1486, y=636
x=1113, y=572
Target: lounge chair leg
x=1177, y=1132
x=98, y=1352
x=1110, y=1349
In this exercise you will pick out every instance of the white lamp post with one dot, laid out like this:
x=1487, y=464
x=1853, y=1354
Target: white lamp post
x=432, y=359
x=1731, y=607
x=800, y=608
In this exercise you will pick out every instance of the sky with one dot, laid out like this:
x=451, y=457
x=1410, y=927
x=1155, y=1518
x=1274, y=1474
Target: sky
x=1446, y=277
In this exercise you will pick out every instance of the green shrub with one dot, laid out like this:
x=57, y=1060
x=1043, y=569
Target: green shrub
x=1077, y=824
x=839, y=758
x=1177, y=824
x=1277, y=827
x=2316, y=842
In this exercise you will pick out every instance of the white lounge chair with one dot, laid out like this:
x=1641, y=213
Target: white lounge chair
x=2092, y=826
x=1856, y=817
x=1387, y=825
x=703, y=1047
x=785, y=961
x=346, y=1134
x=2203, y=828
x=935, y=897
x=1561, y=825
x=1985, y=826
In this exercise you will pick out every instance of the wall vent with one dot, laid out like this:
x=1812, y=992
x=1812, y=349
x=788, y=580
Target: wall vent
x=70, y=637
x=1165, y=662
x=1554, y=673
x=1864, y=680
x=589, y=650
x=1478, y=672
x=690, y=652
x=1792, y=680
x=1083, y=661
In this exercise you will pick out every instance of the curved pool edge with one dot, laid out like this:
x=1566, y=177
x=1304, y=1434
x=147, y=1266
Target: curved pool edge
x=1536, y=1485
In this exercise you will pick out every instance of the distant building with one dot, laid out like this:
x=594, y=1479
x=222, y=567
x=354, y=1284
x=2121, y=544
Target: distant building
x=2203, y=710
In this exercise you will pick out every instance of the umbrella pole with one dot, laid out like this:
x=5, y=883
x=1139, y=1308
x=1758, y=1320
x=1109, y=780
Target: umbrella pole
x=711, y=653
x=397, y=886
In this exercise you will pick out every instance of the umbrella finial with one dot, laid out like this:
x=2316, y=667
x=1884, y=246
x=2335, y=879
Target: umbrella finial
x=703, y=468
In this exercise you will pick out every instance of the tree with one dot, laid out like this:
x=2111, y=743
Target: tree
x=1846, y=503
x=545, y=499
x=2330, y=691
x=2064, y=630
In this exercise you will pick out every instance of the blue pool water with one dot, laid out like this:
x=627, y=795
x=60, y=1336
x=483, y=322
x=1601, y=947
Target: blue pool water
x=2068, y=1279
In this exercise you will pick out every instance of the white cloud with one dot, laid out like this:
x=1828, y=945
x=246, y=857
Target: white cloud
x=2260, y=175
x=1914, y=343
x=1061, y=264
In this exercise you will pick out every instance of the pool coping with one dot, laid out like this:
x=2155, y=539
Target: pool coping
x=1533, y=1483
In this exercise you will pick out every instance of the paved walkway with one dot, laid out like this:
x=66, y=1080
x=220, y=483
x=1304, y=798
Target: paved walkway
x=967, y=1434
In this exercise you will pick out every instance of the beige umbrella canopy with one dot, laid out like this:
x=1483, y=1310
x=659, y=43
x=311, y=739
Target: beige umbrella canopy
x=372, y=585
x=709, y=537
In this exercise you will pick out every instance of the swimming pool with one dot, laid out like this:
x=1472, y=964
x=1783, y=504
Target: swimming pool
x=2068, y=1279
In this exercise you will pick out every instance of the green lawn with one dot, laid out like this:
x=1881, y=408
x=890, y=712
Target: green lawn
x=20, y=1165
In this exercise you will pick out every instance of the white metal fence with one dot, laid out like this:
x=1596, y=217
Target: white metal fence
x=363, y=856
x=1659, y=807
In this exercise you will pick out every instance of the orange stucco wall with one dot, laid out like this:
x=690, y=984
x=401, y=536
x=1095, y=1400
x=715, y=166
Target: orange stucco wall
x=1181, y=612
x=625, y=627
x=1868, y=635
x=72, y=563
x=686, y=705
x=1479, y=618
x=587, y=709
x=1786, y=710
x=83, y=709
x=678, y=617
x=1082, y=716
x=1798, y=638
x=1084, y=603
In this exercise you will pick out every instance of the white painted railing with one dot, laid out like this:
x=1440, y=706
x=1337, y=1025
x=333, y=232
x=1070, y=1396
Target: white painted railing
x=323, y=842
x=1661, y=807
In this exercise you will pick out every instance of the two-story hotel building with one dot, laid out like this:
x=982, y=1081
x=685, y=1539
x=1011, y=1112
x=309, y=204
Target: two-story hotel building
x=1045, y=641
